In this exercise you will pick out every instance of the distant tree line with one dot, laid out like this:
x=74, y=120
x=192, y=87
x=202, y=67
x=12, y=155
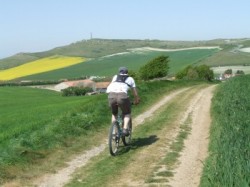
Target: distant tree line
x=36, y=82
x=230, y=72
x=27, y=83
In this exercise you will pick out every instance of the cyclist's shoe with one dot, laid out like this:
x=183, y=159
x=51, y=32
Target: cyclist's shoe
x=125, y=132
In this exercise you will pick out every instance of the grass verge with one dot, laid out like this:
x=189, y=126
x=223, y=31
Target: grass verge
x=229, y=150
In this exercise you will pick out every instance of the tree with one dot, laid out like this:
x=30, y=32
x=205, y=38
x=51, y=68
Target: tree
x=183, y=74
x=228, y=71
x=205, y=72
x=155, y=68
x=196, y=72
x=192, y=74
x=240, y=72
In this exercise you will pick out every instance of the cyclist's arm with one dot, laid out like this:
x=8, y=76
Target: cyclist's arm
x=136, y=97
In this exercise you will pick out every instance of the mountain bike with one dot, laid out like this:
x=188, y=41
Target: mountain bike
x=116, y=135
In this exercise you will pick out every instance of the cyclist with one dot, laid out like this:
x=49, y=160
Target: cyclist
x=118, y=96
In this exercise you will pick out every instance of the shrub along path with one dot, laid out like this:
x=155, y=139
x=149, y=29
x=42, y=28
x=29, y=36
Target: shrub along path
x=165, y=126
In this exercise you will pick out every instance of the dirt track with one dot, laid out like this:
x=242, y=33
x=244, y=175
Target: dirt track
x=189, y=171
x=189, y=167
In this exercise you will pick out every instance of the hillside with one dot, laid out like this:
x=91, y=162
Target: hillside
x=101, y=47
x=232, y=54
x=125, y=52
x=134, y=59
x=92, y=49
x=16, y=60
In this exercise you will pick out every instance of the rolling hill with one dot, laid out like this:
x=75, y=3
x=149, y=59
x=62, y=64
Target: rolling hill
x=108, y=65
x=105, y=55
x=97, y=48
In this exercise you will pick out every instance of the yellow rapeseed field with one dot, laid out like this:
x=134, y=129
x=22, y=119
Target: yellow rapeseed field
x=39, y=66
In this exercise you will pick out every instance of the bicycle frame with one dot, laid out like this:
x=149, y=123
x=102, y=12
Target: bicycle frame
x=115, y=134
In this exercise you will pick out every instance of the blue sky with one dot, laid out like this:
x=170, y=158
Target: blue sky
x=39, y=25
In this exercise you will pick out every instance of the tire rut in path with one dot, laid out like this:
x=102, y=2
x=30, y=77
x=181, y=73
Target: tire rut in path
x=63, y=176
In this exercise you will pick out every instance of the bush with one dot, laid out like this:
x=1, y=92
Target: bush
x=202, y=72
x=155, y=68
x=229, y=71
x=205, y=72
x=76, y=91
x=240, y=72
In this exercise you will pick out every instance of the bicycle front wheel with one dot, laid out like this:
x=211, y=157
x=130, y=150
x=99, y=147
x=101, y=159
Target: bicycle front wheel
x=127, y=139
x=114, y=138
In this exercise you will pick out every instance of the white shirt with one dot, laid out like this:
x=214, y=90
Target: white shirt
x=119, y=87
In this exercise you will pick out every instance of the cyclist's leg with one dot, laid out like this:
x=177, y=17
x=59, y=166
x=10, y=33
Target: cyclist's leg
x=113, y=105
x=127, y=118
x=125, y=105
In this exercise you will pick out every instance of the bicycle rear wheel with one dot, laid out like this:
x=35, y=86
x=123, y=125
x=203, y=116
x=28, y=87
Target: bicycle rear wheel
x=114, y=138
x=127, y=139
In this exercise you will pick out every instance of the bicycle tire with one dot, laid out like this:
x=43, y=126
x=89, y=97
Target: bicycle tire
x=127, y=139
x=114, y=138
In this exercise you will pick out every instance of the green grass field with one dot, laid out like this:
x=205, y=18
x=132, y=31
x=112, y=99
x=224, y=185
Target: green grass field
x=227, y=57
x=228, y=163
x=27, y=110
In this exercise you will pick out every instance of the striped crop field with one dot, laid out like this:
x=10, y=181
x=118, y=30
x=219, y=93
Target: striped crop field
x=40, y=66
